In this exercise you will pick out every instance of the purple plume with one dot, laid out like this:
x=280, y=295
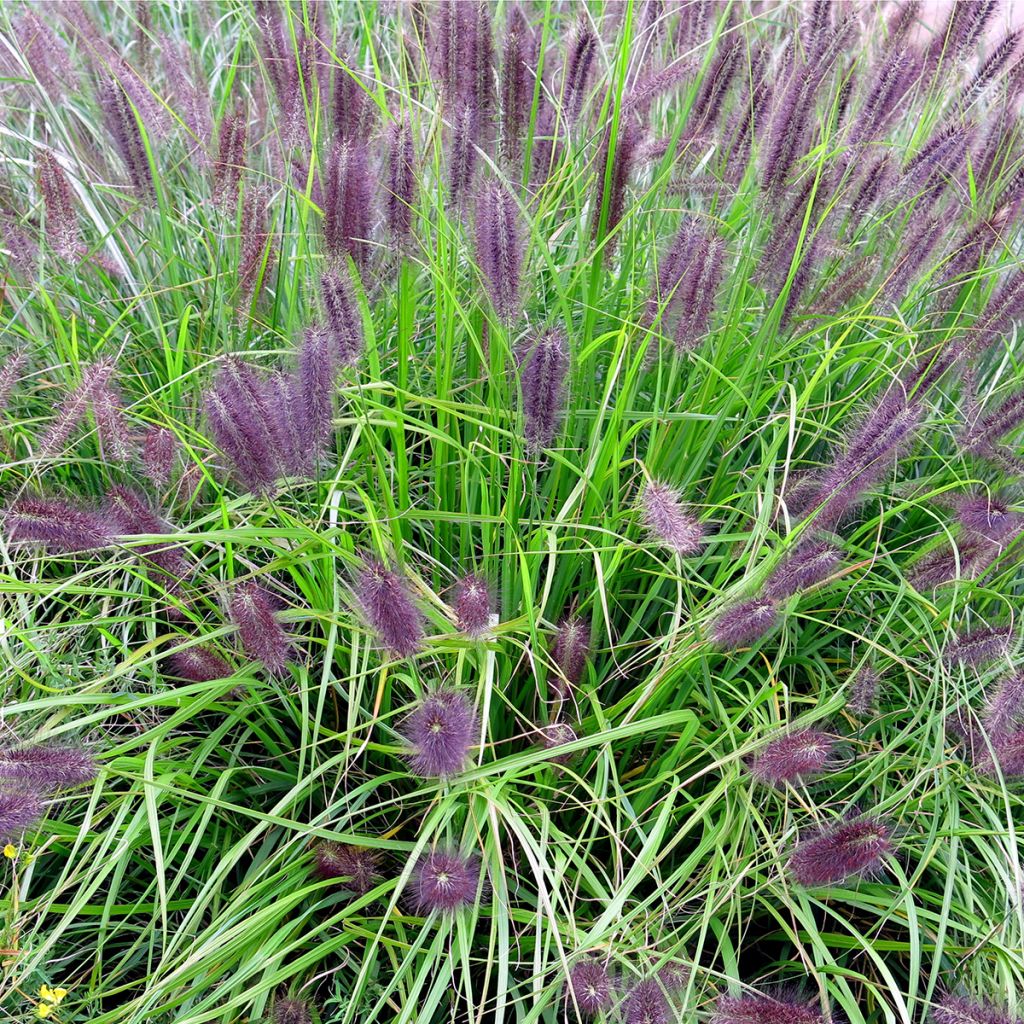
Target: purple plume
x=159, y=454
x=588, y=987
x=645, y=1003
x=977, y=647
x=1006, y=756
x=759, y=1008
x=230, y=162
x=122, y=122
x=59, y=201
x=610, y=197
x=10, y=374
x=471, y=601
x=342, y=318
x=580, y=58
x=389, y=609
x=556, y=735
x=462, y=154
x=130, y=514
x=47, y=768
x=440, y=733
x=1003, y=710
x=288, y=55
x=855, y=847
x=44, y=54
x=19, y=810
x=253, y=613
x=743, y=624
x=809, y=564
x=543, y=371
x=669, y=524
x=290, y=1011
x=953, y=1009
x=56, y=524
x=988, y=517
x=72, y=410
x=348, y=202
x=316, y=389
x=358, y=865
x=569, y=652
x=863, y=691
x=198, y=665
x=353, y=108
x=518, y=64
x=499, y=247
x=190, y=95
x=794, y=757
x=256, y=248
x=400, y=181
x=445, y=881
x=112, y=427
x=983, y=435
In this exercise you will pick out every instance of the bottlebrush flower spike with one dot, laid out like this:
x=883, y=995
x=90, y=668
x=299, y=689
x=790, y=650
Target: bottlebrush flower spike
x=112, y=427
x=556, y=735
x=499, y=247
x=230, y=162
x=348, y=202
x=59, y=201
x=342, y=318
x=44, y=54
x=130, y=514
x=645, y=1003
x=353, y=109
x=610, y=195
x=978, y=647
x=668, y=523
x=588, y=987
x=462, y=158
x=543, y=370
x=797, y=756
x=1006, y=756
x=953, y=1009
x=809, y=564
x=440, y=733
x=400, y=181
x=198, y=665
x=122, y=123
x=159, y=454
x=73, y=409
x=988, y=517
x=10, y=375
x=759, y=1008
x=581, y=55
x=389, y=610
x=58, y=525
x=19, y=811
x=744, y=624
x=1005, y=707
x=315, y=386
x=445, y=881
x=190, y=95
x=46, y=768
x=569, y=652
x=472, y=604
x=517, y=84
x=855, y=847
x=263, y=639
x=863, y=691
x=291, y=1011
x=256, y=248
x=358, y=865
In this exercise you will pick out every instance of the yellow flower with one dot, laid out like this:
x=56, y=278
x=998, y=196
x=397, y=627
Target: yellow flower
x=10, y=851
x=43, y=1010
x=52, y=995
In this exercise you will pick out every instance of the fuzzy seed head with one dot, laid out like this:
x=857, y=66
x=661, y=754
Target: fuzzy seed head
x=343, y=323
x=669, y=524
x=400, y=182
x=795, y=756
x=57, y=525
x=954, y=1009
x=440, y=734
x=556, y=735
x=46, y=768
x=988, y=517
x=569, y=652
x=646, y=1004
x=758, y=1008
x=978, y=647
x=445, y=881
x=19, y=810
x=499, y=247
x=808, y=565
x=1005, y=708
x=543, y=372
x=59, y=201
x=588, y=987
x=291, y=1011
x=744, y=624
x=472, y=604
x=863, y=691
x=357, y=865
x=198, y=665
x=253, y=613
x=159, y=454
x=854, y=847
x=389, y=609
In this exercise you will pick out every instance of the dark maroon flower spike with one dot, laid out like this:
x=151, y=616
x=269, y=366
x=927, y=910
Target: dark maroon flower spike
x=853, y=848
x=19, y=810
x=348, y=202
x=569, y=652
x=45, y=768
x=499, y=247
x=198, y=665
x=744, y=624
x=253, y=613
x=159, y=455
x=556, y=735
x=389, y=609
x=440, y=734
x=445, y=881
x=400, y=181
x=809, y=564
x=57, y=525
x=518, y=63
x=59, y=202
x=119, y=112
x=357, y=865
x=1003, y=710
x=543, y=370
x=581, y=55
x=759, y=1008
x=291, y=1011
x=794, y=757
x=588, y=987
x=978, y=647
x=954, y=1009
x=669, y=525
x=645, y=1003
x=230, y=162
x=471, y=601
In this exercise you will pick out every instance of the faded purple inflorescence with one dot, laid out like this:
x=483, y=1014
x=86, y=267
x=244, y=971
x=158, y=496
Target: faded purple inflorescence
x=543, y=370
x=954, y=1009
x=357, y=865
x=668, y=523
x=230, y=162
x=809, y=564
x=58, y=199
x=159, y=454
x=19, y=810
x=989, y=518
x=131, y=515
x=47, y=767
x=556, y=735
x=645, y=1003
x=389, y=610
x=1005, y=708
x=744, y=623
x=57, y=525
x=342, y=320
x=291, y=1011
x=863, y=691
x=854, y=847
x=499, y=247
x=759, y=1008
x=198, y=665
x=978, y=647
x=797, y=755
x=400, y=181
x=588, y=987
x=445, y=881
x=348, y=202
x=569, y=652
x=471, y=600
x=440, y=734
x=253, y=613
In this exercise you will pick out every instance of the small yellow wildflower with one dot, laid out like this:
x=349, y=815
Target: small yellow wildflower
x=44, y=1010
x=10, y=851
x=52, y=995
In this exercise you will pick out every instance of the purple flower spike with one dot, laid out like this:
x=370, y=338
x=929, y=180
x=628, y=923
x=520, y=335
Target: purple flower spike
x=988, y=517
x=580, y=57
x=978, y=647
x=342, y=319
x=863, y=691
x=57, y=525
x=19, y=810
x=358, y=865
x=389, y=609
x=227, y=170
x=795, y=756
x=808, y=565
x=1004, y=708
x=952, y=1009
x=159, y=454
x=472, y=604
x=291, y=1011
x=758, y=1008
x=556, y=735
x=744, y=624
x=198, y=665
x=646, y=1004
x=854, y=847
x=263, y=639
x=440, y=733
x=1006, y=755
x=58, y=199
x=48, y=768
x=588, y=987
x=445, y=881
x=543, y=370
x=668, y=523
x=499, y=247
x=569, y=653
